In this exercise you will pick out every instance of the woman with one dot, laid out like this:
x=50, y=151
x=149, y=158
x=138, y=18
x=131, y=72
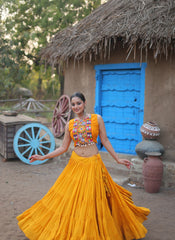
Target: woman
x=84, y=203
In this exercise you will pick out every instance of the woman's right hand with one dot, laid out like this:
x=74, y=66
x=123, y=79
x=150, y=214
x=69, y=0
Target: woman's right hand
x=36, y=157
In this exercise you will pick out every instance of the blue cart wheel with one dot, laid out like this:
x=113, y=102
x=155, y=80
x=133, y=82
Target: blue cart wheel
x=33, y=138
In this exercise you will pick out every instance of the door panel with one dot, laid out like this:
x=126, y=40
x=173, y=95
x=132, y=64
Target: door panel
x=119, y=100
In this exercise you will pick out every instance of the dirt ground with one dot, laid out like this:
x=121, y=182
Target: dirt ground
x=22, y=185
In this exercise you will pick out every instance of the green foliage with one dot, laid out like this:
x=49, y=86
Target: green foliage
x=50, y=87
x=27, y=28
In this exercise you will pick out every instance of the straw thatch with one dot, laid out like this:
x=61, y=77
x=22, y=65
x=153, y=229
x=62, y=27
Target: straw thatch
x=140, y=24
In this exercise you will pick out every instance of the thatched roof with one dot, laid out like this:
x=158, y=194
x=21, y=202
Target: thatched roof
x=141, y=24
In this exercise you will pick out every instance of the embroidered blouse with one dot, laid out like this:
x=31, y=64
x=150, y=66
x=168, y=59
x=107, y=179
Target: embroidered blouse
x=84, y=132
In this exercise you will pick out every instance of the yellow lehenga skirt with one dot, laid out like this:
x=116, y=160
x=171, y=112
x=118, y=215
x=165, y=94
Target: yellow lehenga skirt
x=84, y=204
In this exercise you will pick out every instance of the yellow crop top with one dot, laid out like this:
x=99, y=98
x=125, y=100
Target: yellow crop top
x=84, y=132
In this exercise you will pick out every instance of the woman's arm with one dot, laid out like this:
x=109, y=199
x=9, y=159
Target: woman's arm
x=106, y=143
x=63, y=148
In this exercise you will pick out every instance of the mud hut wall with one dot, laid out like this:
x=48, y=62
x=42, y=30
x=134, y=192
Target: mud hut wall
x=81, y=77
x=159, y=91
x=159, y=101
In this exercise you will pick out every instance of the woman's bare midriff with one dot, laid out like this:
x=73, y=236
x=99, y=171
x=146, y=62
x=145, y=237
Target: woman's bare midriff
x=86, y=151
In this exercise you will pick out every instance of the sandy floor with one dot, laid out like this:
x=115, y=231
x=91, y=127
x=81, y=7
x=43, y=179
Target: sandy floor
x=22, y=185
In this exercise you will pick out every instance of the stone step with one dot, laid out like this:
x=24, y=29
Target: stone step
x=135, y=174
x=120, y=179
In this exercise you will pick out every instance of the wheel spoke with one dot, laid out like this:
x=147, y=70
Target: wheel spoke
x=61, y=126
x=43, y=136
x=41, y=151
x=41, y=146
x=62, y=102
x=65, y=102
x=56, y=128
x=24, y=139
x=66, y=114
x=36, y=152
x=65, y=108
x=30, y=153
x=38, y=133
x=27, y=134
x=33, y=134
x=26, y=151
x=24, y=145
x=63, y=120
x=45, y=142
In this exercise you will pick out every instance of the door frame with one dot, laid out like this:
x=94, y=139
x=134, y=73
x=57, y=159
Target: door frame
x=119, y=66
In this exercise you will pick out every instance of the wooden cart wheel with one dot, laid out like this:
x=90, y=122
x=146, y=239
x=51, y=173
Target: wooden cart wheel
x=61, y=115
x=33, y=138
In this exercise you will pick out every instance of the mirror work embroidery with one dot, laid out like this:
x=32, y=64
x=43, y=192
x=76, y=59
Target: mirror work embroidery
x=82, y=132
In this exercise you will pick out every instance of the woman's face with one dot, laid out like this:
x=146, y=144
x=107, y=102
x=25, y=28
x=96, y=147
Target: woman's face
x=77, y=105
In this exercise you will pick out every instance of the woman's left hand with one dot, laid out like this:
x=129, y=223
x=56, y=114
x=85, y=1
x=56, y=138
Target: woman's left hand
x=36, y=157
x=125, y=162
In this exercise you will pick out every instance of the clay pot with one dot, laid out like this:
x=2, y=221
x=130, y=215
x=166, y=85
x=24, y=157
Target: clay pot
x=150, y=130
x=150, y=145
x=152, y=172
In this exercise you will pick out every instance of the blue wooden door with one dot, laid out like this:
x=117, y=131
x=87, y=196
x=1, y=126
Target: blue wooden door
x=120, y=101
